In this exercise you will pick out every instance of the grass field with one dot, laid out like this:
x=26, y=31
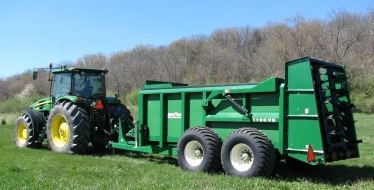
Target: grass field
x=43, y=169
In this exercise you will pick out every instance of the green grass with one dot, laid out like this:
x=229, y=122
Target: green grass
x=43, y=169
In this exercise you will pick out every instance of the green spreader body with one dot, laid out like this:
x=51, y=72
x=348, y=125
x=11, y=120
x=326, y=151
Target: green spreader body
x=307, y=116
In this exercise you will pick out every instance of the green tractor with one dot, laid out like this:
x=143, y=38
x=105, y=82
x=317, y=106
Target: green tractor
x=77, y=113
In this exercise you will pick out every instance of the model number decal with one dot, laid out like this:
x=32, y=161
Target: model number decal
x=264, y=119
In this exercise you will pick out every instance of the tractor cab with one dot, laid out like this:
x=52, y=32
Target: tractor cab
x=77, y=113
x=85, y=83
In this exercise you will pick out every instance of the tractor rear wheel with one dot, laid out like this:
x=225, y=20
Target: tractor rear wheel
x=198, y=149
x=68, y=128
x=121, y=111
x=248, y=152
x=24, y=134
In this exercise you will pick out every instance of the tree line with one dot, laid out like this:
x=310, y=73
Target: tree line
x=237, y=55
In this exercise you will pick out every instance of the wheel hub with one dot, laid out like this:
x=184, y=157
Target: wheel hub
x=22, y=134
x=63, y=131
x=60, y=131
x=194, y=153
x=246, y=156
x=198, y=152
x=241, y=157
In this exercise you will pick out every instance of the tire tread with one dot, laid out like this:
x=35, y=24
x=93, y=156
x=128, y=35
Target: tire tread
x=77, y=117
x=265, y=147
x=214, y=144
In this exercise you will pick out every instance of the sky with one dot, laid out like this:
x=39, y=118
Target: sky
x=38, y=32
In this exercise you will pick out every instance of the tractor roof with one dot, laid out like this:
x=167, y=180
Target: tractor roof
x=76, y=70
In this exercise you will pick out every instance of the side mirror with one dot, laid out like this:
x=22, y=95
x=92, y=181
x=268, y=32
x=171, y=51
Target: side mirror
x=34, y=75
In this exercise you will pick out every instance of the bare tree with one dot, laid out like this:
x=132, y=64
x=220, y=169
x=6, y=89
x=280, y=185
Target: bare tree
x=97, y=61
x=343, y=31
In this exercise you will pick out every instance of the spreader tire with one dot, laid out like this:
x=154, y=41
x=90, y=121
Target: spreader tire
x=248, y=152
x=68, y=128
x=198, y=149
x=24, y=132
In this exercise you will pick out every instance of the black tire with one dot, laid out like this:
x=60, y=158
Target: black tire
x=68, y=128
x=198, y=149
x=121, y=111
x=248, y=152
x=24, y=132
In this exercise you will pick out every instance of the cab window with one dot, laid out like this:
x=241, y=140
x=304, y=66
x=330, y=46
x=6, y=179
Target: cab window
x=62, y=85
x=89, y=85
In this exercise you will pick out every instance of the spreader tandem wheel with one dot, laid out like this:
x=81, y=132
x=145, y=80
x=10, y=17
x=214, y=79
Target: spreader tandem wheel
x=248, y=152
x=198, y=149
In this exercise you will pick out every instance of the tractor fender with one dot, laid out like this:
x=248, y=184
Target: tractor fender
x=111, y=100
x=67, y=98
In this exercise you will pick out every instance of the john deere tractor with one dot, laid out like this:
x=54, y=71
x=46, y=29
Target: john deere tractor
x=77, y=113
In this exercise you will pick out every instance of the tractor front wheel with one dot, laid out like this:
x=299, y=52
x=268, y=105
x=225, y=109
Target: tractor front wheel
x=24, y=132
x=68, y=128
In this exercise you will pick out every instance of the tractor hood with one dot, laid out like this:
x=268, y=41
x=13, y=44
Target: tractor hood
x=42, y=104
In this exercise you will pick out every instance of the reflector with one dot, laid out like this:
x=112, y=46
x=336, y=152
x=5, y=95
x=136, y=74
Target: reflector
x=311, y=155
x=99, y=105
